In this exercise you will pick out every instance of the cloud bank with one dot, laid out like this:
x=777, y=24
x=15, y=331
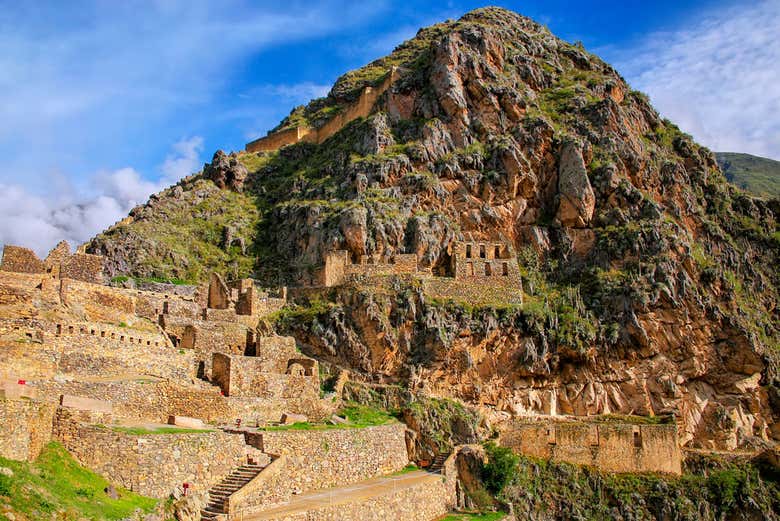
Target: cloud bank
x=718, y=78
x=75, y=215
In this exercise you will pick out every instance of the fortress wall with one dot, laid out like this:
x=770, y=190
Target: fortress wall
x=277, y=140
x=475, y=291
x=430, y=499
x=611, y=447
x=21, y=260
x=157, y=464
x=319, y=459
x=100, y=303
x=149, y=399
x=84, y=267
x=249, y=376
x=87, y=355
x=360, y=109
x=206, y=338
x=25, y=428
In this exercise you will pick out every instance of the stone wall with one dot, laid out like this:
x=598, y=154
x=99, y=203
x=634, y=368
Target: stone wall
x=156, y=465
x=84, y=267
x=99, y=303
x=250, y=376
x=21, y=260
x=427, y=499
x=317, y=459
x=474, y=292
x=611, y=447
x=360, y=109
x=25, y=427
x=155, y=400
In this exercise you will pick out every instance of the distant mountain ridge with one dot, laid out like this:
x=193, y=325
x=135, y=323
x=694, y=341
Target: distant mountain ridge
x=756, y=174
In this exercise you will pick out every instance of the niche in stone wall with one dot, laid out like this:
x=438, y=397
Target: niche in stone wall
x=505, y=269
x=482, y=253
x=637, y=438
x=488, y=269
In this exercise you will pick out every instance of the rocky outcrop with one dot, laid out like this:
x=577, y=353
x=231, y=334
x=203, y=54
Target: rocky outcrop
x=576, y=200
x=226, y=171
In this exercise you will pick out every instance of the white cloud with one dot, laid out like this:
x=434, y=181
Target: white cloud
x=39, y=222
x=718, y=78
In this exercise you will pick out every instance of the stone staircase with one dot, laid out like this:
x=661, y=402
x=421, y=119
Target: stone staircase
x=219, y=493
x=438, y=462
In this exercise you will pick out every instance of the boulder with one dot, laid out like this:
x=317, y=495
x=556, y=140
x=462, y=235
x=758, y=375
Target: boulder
x=186, y=422
x=289, y=418
x=226, y=171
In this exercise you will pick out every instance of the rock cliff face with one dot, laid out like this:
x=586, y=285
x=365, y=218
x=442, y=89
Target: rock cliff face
x=651, y=284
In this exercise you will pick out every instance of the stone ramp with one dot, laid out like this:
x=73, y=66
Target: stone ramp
x=415, y=496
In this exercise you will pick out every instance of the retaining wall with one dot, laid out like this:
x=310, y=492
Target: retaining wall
x=611, y=447
x=25, y=428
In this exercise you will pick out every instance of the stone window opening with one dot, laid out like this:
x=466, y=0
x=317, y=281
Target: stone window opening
x=113, y=336
x=148, y=342
x=166, y=308
x=488, y=270
x=70, y=329
x=637, y=438
x=470, y=270
x=505, y=269
x=132, y=340
x=122, y=338
x=59, y=329
x=102, y=334
x=157, y=344
x=482, y=254
x=92, y=332
x=497, y=252
x=468, y=251
x=82, y=330
x=551, y=436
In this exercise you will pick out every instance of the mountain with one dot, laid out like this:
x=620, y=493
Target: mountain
x=757, y=175
x=650, y=283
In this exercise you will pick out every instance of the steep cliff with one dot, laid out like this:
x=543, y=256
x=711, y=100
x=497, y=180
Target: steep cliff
x=651, y=283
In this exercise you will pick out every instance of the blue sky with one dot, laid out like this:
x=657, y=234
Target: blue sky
x=105, y=102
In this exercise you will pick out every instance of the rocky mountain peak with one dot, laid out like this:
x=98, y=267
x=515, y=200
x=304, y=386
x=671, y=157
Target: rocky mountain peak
x=638, y=259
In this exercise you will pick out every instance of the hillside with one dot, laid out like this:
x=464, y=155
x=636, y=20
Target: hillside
x=757, y=175
x=650, y=282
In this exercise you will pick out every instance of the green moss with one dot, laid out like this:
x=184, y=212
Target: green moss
x=56, y=483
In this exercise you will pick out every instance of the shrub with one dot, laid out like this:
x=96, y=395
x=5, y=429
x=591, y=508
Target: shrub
x=501, y=467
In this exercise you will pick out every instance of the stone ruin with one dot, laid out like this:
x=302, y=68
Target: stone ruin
x=60, y=263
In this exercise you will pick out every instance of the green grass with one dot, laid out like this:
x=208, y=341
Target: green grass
x=359, y=416
x=488, y=516
x=633, y=419
x=758, y=175
x=411, y=467
x=55, y=482
x=140, y=431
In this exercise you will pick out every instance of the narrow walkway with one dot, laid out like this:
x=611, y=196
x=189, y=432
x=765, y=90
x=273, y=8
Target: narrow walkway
x=340, y=495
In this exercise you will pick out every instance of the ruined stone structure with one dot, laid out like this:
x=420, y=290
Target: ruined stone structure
x=615, y=447
x=60, y=263
x=479, y=271
x=360, y=109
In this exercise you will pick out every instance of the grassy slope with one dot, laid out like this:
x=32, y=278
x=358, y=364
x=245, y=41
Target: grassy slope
x=55, y=482
x=758, y=175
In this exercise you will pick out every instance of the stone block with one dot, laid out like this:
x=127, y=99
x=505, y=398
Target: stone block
x=289, y=418
x=14, y=391
x=186, y=422
x=86, y=404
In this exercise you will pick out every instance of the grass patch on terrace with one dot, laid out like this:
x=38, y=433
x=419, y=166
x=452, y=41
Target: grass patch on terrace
x=359, y=417
x=411, y=467
x=475, y=516
x=56, y=483
x=141, y=431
